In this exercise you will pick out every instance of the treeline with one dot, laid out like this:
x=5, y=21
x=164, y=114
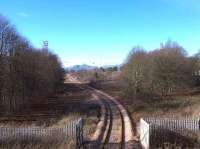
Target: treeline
x=161, y=71
x=25, y=72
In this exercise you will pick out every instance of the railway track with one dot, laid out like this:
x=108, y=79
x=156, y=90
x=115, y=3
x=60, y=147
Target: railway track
x=114, y=131
x=114, y=137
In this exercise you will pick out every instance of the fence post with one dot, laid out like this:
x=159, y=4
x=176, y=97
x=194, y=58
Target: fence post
x=79, y=133
x=77, y=138
x=81, y=130
x=144, y=133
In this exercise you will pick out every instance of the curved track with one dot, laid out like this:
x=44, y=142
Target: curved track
x=115, y=128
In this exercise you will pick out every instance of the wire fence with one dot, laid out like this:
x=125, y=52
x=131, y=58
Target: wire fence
x=73, y=129
x=174, y=124
x=182, y=133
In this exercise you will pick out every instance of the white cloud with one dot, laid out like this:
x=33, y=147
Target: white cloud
x=23, y=14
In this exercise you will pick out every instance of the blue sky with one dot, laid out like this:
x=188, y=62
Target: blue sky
x=102, y=32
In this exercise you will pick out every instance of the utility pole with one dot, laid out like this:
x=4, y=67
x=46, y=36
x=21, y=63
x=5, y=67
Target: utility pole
x=45, y=45
x=161, y=45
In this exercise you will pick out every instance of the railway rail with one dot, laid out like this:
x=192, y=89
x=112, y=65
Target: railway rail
x=115, y=128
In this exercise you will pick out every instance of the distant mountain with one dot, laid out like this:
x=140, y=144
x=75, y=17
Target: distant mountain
x=111, y=66
x=86, y=67
x=81, y=68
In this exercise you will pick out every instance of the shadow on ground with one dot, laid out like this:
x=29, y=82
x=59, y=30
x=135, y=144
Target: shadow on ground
x=128, y=145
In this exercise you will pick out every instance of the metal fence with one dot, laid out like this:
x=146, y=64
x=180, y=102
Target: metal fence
x=156, y=132
x=175, y=124
x=73, y=129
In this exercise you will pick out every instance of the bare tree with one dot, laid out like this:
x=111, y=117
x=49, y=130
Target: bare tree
x=25, y=72
x=135, y=70
x=161, y=71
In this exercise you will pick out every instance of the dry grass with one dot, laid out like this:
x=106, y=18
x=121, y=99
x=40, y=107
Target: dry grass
x=90, y=127
x=179, y=105
x=164, y=139
x=56, y=110
x=187, y=104
x=47, y=143
x=69, y=106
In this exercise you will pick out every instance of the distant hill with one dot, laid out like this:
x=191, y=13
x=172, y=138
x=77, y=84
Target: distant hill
x=86, y=67
x=77, y=68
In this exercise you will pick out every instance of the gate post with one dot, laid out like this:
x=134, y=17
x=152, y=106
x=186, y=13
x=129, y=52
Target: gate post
x=144, y=134
x=81, y=131
x=79, y=134
x=77, y=137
